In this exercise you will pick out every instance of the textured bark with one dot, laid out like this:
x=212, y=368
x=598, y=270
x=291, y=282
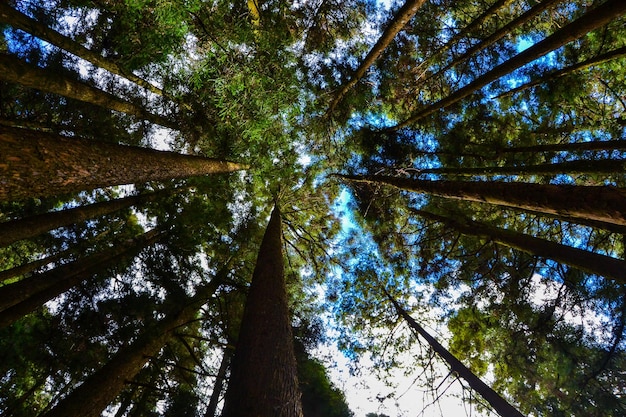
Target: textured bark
x=617, y=53
x=402, y=17
x=264, y=379
x=26, y=295
x=599, y=145
x=18, y=20
x=497, y=402
x=586, y=261
x=568, y=202
x=100, y=389
x=28, y=227
x=594, y=19
x=31, y=266
x=15, y=70
x=595, y=166
x=36, y=164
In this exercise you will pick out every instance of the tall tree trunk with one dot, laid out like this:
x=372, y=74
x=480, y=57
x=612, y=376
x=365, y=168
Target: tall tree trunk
x=598, y=145
x=100, y=389
x=17, y=271
x=617, y=53
x=36, y=164
x=218, y=387
x=402, y=17
x=594, y=19
x=586, y=261
x=264, y=378
x=497, y=402
x=26, y=295
x=18, y=20
x=28, y=227
x=568, y=202
x=15, y=70
x=595, y=166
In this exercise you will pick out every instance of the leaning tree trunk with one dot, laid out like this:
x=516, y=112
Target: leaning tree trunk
x=402, y=17
x=20, y=270
x=597, y=145
x=218, y=386
x=32, y=226
x=497, y=402
x=564, y=201
x=583, y=260
x=26, y=295
x=100, y=389
x=264, y=377
x=36, y=164
x=15, y=70
x=594, y=19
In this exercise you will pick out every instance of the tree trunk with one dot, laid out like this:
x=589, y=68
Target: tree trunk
x=402, y=17
x=36, y=164
x=499, y=404
x=19, y=229
x=264, y=378
x=31, y=266
x=598, y=166
x=586, y=261
x=25, y=296
x=100, y=389
x=594, y=19
x=564, y=201
x=599, y=145
x=15, y=70
x=218, y=387
x=18, y=20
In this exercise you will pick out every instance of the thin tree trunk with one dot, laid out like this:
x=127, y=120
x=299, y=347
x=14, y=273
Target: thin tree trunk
x=100, y=389
x=594, y=19
x=18, y=20
x=402, y=17
x=15, y=70
x=218, y=387
x=583, y=260
x=564, y=201
x=264, y=377
x=599, y=145
x=598, y=166
x=36, y=164
x=28, y=227
x=25, y=296
x=31, y=266
x=497, y=402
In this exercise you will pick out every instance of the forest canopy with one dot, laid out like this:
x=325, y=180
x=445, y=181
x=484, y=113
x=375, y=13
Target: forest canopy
x=206, y=205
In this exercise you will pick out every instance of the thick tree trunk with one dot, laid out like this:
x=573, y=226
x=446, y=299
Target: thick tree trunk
x=594, y=19
x=596, y=166
x=18, y=20
x=264, y=378
x=497, y=402
x=586, y=261
x=15, y=70
x=28, y=227
x=36, y=164
x=100, y=389
x=568, y=202
x=402, y=17
x=26, y=295
x=599, y=145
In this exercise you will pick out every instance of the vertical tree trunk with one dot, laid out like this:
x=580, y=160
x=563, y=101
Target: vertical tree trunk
x=23, y=297
x=586, y=261
x=568, y=202
x=36, y=164
x=218, y=387
x=594, y=19
x=100, y=389
x=494, y=399
x=264, y=378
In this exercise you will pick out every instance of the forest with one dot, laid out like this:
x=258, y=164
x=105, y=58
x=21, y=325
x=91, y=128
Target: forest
x=214, y=208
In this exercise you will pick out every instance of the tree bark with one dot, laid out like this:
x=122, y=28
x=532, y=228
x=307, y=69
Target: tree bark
x=31, y=266
x=18, y=20
x=36, y=164
x=218, y=387
x=594, y=19
x=497, y=402
x=402, y=17
x=15, y=70
x=599, y=145
x=100, y=389
x=264, y=378
x=26, y=295
x=564, y=201
x=583, y=260
x=28, y=227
